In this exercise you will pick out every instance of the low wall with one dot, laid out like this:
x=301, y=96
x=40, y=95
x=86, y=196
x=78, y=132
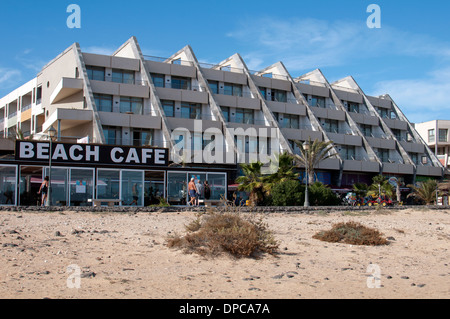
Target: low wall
x=176, y=209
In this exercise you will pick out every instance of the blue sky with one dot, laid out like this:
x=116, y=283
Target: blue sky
x=408, y=57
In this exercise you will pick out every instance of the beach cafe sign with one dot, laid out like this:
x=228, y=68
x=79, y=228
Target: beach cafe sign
x=90, y=154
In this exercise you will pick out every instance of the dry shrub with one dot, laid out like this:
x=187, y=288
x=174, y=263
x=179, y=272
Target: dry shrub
x=215, y=233
x=352, y=233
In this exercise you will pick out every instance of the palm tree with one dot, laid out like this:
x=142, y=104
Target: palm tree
x=381, y=186
x=285, y=171
x=444, y=187
x=425, y=191
x=317, y=152
x=252, y=182
x=361, y=189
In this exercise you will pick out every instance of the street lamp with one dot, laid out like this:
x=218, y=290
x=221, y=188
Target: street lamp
x=51, y=135
x=306, y=149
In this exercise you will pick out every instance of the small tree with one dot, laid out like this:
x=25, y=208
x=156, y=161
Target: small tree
x=425, y=191
x=381, y=186
x=252, y=182
x=285, y=172
x=361, y=189
x=310, y=158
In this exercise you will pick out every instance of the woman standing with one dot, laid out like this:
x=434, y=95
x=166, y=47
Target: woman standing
x=207, y=190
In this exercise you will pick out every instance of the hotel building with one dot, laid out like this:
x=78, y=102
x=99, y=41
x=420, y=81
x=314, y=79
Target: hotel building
x=436, y=136
x=131, y=100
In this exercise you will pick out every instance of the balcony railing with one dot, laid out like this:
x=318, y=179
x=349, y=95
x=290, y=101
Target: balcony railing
x=340, y=131
x=167, y=60
x=26, y=107
x=310, y=82
x=12, y=115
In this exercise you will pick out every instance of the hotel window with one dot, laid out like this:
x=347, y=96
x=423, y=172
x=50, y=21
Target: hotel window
x=366, y=129
x=142, y=137
x=113, y=135
x=397, y=133
x=232, y=89
x=132, y=105
x=95, y=73
x=158, y=80
x=168, y=107
x=191, y=110
x=443, y=133
x=317, y=101
x=424, y=160
x=384, y=113
x=431, y=137
x=177, y=61
x=294, y=147
x=383, y=154
x=348, y=152
x=263, y=92
x=331, y=126
x=353, y=107
x=103, y=102
x=279, y=96
x=226, y=113
x=214, y=86
x=290, y=121
x=181, y=83
x=245, y=116
x=414, y=158
x=123, y=76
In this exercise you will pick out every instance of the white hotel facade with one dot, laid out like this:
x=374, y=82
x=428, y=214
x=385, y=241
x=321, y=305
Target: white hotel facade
x=177, y=103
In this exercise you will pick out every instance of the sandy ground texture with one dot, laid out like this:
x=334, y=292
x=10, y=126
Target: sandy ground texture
x=106, y=255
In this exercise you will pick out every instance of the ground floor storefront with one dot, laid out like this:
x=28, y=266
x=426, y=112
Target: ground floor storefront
x=83, y=175
x=77, y=186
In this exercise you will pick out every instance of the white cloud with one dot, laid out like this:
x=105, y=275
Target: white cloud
x=306, y=44
x=103, y=50
x=8, y=77
x=30, y=61
x=425, y=99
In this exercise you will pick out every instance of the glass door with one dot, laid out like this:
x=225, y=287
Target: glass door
x=31, y=178
x=8, y=185
x=81, y=186
x=58, y=186
x=177, y=188
x=132, y=189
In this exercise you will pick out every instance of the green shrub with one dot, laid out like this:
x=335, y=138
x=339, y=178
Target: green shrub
x=288, y=193
x=292, y=193
x=321, y=195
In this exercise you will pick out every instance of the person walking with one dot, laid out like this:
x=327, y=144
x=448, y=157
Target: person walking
x=44, y=190
x=199, y=194
x=135, y=195
x=192, y=192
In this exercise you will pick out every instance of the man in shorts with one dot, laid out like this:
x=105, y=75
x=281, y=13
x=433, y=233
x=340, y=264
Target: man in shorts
x=192, y=192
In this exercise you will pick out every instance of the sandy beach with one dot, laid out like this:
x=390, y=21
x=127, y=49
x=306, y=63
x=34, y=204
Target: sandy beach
x=125, y=256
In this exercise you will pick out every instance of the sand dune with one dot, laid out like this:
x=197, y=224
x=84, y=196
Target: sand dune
x=125, y=256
